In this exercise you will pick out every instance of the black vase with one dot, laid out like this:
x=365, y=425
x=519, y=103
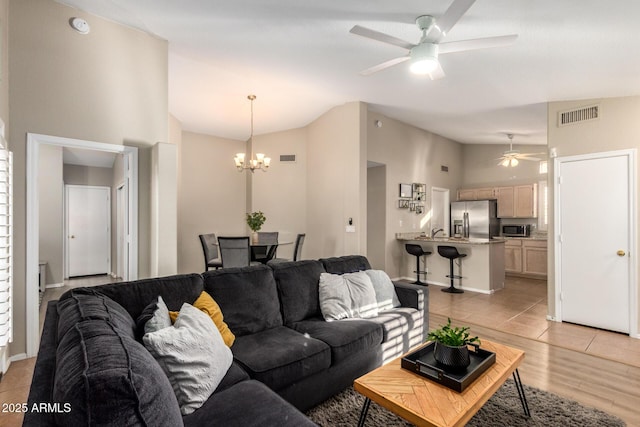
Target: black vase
x=452, y=358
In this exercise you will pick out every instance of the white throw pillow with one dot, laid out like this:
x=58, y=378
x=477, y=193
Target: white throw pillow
x=335, y=302
x=346, y=296
x=385, y=290
x=160, y=319
x=363, y=296
x=193, y=355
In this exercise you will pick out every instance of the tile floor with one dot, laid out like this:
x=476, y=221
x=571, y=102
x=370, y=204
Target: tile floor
x=521, y=309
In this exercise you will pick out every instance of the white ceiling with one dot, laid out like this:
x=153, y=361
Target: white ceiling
x=300, y=60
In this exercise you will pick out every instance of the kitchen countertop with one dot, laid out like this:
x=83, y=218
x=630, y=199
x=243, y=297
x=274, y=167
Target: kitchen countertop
x=538, y=237
x=420, y=237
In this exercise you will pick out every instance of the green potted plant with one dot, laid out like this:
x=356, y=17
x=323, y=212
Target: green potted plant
x=255, y=221
x=451, y=345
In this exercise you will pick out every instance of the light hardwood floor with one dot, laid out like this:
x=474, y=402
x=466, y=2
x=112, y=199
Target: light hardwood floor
x=559, y=358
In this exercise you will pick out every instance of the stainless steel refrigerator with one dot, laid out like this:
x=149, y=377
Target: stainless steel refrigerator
x=477, y=219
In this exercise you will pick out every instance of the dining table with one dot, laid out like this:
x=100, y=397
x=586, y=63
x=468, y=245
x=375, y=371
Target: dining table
x=265, y=251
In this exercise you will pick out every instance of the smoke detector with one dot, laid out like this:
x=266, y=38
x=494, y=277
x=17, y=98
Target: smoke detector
x=80, y=25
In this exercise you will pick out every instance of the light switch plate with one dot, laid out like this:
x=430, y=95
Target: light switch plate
x=351, y=228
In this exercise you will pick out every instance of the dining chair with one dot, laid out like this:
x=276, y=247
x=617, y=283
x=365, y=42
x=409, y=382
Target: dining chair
x=267, y=246
x=210, y=250
x=234, y=251
x=297, y=250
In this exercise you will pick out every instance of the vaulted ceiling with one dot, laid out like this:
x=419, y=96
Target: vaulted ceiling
x=300, y=60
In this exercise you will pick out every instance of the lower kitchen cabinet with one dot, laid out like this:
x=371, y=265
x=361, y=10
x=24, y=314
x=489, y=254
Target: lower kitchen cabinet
x=526, y=257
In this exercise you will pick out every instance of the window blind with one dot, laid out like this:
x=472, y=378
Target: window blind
x=6, y=245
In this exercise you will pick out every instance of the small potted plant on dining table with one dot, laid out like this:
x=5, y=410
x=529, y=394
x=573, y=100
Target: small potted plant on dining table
x=451, y=346
x=255, y=221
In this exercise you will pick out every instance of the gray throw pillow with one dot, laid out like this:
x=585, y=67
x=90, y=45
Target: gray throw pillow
x=346, y=296
x=160, y=318
x=192, y=354
x=385, y=290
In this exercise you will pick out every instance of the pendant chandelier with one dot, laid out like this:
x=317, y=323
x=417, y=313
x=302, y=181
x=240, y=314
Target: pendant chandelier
x=260, y=162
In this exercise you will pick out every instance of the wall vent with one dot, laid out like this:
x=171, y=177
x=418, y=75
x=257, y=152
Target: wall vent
x=579, y=115
x=288, y=158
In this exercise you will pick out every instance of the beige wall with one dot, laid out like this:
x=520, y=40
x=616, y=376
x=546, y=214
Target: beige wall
x=376, y=216
x=411, y=155
x=108, y=86
x=480, y=166
x=164, y=205
x=618, y=128
x=87, y=175
x=4, y=63
x=336, y=182
x=51, y=212
x=281, y=193
x=211, y=195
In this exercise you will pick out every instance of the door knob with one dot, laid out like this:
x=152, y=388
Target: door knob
x=621, y=253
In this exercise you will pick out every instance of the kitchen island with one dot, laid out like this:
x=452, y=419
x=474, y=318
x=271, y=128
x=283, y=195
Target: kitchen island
x=482, y=269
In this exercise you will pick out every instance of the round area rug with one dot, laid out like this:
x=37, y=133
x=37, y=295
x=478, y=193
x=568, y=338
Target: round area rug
x=503, y=409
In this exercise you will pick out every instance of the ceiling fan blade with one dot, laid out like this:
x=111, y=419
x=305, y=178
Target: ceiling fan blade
x=438, y=73
x=473, y=44
x=380, y=67
x=532, y=159
x=450, y=17
x=381, y=37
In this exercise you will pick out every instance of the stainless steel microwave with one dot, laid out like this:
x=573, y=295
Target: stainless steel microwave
x=514, y=230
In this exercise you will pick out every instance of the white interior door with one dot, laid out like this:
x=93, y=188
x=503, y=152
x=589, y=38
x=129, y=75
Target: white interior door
x=595, y=240
x=88, y=214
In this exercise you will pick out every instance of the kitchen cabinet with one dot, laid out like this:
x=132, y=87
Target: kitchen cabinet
x=513, y=256
x=514, y=201
x=476, y=194
x=534, y=257
x=526, y=257
x=518, y=201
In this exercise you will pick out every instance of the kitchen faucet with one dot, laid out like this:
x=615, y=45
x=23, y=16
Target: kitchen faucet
x=436, y=231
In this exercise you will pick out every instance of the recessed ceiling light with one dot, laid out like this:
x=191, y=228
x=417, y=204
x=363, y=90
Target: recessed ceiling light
x=80, y=25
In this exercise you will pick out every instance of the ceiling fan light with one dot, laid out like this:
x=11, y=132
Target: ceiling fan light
x=424, y=58
x=514, y=162
x=505, y=163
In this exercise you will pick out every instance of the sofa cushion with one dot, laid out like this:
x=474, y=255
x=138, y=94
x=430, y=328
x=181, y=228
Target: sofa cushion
x=234, y=375
x=345, y=337
x=349, y=295
x=153, y=318
x=247, y=404
x=280, y=356
x=247, y=296
x=135, y=296
x=87, y=305
x=108, y=378
x=398, y=322
x=298, y=289
x=192, y=354
x=345, y=264
x=386, y=296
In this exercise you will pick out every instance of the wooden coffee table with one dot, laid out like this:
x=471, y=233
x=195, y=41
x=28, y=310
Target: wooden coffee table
x=424, y=402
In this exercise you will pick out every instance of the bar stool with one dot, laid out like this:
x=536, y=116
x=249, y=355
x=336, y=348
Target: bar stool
x=452, y=253
x=417, y=251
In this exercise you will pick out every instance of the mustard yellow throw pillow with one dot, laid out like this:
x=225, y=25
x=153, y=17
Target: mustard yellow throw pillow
x=208, y=305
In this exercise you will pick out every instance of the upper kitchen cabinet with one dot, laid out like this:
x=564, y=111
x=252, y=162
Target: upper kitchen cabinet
x=519, y=201
x=476, y=194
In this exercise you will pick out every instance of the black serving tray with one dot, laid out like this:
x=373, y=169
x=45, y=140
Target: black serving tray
x=423, y=363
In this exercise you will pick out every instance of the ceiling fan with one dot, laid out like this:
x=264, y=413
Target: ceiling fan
x=512, y=157
x=424, y=54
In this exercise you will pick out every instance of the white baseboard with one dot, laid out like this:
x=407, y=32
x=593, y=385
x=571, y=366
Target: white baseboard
x=17, y=357
x=54, y=285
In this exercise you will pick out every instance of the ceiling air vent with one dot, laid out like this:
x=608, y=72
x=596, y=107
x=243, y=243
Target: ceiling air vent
x=579, y=115
x=288, y=158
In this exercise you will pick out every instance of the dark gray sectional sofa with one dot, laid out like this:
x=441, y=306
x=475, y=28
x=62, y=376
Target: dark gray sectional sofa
x=287, y=359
